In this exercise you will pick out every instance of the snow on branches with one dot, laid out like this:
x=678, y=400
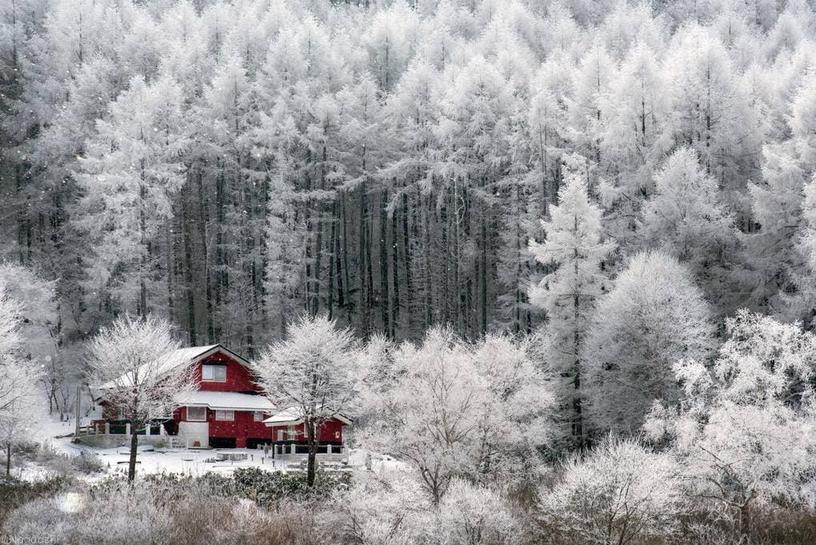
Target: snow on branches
x=744, y=431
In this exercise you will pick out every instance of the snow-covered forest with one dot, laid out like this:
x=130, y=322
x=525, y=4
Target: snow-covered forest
x=558, y=257
x=230, y=164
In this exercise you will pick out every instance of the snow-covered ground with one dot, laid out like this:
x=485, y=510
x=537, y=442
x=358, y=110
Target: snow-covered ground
x=187, y=462
x=58, y=437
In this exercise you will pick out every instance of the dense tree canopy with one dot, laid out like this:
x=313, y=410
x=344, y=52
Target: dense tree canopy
x=229, y=164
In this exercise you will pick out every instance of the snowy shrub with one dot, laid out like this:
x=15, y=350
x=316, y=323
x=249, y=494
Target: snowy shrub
x=168, y=511
x=393, y=509
x=72, y=518
x=14, y=493
x=40, y=521
x=617, y=493
x=269, y=487
x=65, y=464
x=387, y=509
x=219, y=520
x=476, y=515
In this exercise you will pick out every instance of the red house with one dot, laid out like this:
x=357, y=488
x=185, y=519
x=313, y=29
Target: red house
x=228, y=410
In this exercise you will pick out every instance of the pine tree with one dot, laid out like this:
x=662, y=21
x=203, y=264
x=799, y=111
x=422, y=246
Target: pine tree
x=569, y=294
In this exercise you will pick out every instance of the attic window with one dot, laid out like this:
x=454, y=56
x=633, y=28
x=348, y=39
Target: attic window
x=214, y=373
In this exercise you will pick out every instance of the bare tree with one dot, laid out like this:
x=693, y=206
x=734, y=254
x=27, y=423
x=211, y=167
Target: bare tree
x=311, y=370
x=135, y=369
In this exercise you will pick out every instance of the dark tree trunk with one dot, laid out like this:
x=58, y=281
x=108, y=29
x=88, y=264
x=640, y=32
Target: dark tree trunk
x=134, y=446
x=578, y=422
x=395, y=289
x=188, y=270
x=385, y=297
x=311, y=467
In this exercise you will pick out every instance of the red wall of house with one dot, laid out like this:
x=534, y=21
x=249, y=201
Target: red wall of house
x=242, y=428
x=330, y=432
x=239, y=378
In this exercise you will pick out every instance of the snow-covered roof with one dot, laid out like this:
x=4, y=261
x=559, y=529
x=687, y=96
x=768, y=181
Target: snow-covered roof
x=227, y=401
x=293, y=416
x=173, y=360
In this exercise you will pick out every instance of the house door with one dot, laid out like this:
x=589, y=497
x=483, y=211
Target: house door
x=195, y=434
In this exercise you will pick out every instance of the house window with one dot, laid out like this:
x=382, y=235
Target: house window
x=291, y=433
x=259, y=416
x=196, y=414
x=214, y=373
x=225, y=416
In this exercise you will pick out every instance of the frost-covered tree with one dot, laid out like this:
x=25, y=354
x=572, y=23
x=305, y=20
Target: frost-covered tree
x=609, y=495
x=18, y=379
x=129, y=174
x=710, y=110
x=21, y=407
x=569, y=294
x=629, y=360
x=428, y=416
x=39, y=329
x=312, y=372
x=451, y=410
x=635, y=112
x=592, y=78
x=743, y=432
x=134, y=369
x=776, y=202
x=686, y=219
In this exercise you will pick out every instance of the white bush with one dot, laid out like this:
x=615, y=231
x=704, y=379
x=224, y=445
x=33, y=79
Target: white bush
x=476, y=515
x=618, y=492
x=121, y=518
x=387, y=509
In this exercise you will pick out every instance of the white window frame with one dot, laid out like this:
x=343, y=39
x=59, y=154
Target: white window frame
x=190, y=419
x=258, y=416
x=212, y=366
x=291, y=432
x=223, y=415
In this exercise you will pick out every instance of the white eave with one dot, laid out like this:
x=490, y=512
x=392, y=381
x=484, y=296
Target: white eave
x=292, y=417
x=225, y=401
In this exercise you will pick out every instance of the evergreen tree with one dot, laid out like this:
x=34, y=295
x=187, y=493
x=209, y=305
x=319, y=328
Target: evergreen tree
x=569, y=294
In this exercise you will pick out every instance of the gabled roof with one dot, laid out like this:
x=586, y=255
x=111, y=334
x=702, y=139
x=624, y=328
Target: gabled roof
x=294, y=416
x=179, y=358
x=228, y=401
